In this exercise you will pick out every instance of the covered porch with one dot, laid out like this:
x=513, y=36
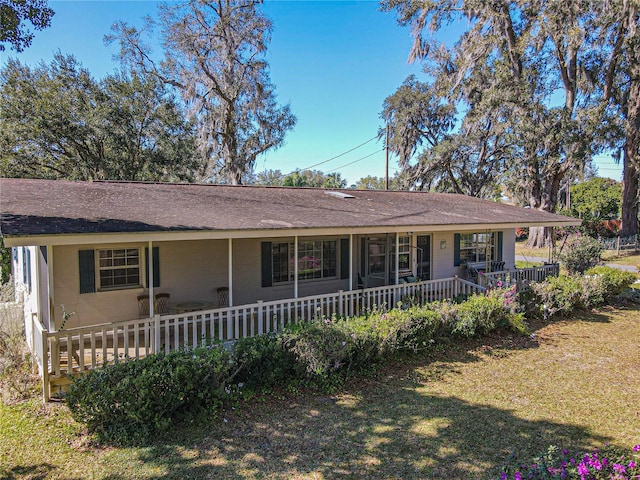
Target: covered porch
x=74, y=350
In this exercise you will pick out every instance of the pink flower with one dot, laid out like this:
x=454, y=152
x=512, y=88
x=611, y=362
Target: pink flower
x=632, y=464
x=619, y=468
x=636, y=448
x=583, y=469
x=517, y=476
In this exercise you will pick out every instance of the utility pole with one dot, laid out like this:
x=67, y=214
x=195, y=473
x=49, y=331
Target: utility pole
x=386, y=149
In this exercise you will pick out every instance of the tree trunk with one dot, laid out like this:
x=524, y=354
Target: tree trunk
x=631, y=162
x=544, y=198
x=629, y=198
x=540, y=237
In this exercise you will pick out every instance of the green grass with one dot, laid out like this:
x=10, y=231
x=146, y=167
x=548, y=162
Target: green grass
x=628, y=257
x=457, y=414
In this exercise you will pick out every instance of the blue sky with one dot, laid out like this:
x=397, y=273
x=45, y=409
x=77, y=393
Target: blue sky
x=333, y=61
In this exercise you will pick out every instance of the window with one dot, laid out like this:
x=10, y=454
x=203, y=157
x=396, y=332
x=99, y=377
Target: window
x=476, y=247
x=316, y=259
x=404, y=250
x=119, y=268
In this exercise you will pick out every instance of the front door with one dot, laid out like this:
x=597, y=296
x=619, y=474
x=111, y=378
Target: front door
x=376, y=261
x=423, y=257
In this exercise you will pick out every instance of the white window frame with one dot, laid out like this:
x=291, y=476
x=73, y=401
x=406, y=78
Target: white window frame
x=104, y=268
x=479, y=247
x=302, y=250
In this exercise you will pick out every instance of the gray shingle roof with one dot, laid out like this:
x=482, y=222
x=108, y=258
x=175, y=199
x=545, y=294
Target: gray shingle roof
x=48, y=207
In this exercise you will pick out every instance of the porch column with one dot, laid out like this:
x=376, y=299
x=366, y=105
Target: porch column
x=295, y=267
x=230, y=273
x=397, y=257
x=150, y=285
x=50, y=293
x=351, y=261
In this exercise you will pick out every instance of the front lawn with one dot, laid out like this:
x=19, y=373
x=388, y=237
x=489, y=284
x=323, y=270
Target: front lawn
x=458, y=414
x=626, y=257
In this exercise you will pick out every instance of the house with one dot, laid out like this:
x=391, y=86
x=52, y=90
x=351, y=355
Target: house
x=97, y=261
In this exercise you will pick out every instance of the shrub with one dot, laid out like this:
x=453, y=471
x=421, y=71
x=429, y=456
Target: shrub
x=560, y=295
x=614, y=281
x=262, y=361
x=17, y=380
x=129, y=402
x=322, y=349
x=482, y=313
x=580, y=253
x=607, y=463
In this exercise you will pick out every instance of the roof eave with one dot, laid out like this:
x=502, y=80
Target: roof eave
x=183, y=235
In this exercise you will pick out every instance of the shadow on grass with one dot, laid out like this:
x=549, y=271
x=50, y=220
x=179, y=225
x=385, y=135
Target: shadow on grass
x=395, y=426
x=390, y=428
x=32, y=472
x=385, y=433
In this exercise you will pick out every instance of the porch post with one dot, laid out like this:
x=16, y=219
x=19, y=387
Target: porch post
x=397, y=257
x=295, y=266
x=351, y=261
x=50, y=293
x=150, y=286
x=230, y=279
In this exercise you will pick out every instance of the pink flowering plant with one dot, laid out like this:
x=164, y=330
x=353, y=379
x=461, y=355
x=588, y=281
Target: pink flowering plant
x=608, y=463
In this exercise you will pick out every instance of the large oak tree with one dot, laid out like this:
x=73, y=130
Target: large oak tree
x=520, y=69
x=57, y=121
x=214, y=54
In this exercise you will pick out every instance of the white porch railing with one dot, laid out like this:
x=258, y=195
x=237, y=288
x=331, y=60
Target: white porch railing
x=78, y=349
x=520, y=276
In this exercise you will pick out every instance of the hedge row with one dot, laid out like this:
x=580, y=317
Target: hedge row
x=129, y=402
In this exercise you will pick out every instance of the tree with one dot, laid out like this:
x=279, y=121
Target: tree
x=526, y=60
x=617, y=42
x=467, y=161
x=214, y=55
x=379, y=183
x=596, y=199
x=56, y=121
x=14, y=14
x=269, y=178
x=314, y=178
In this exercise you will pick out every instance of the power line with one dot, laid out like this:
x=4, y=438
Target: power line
x=355, y=161
x=337, y=156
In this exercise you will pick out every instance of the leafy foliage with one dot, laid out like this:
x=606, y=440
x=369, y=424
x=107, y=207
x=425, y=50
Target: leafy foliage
x=522, y=76
x=215, y=57
x=56, y=121
x=614, y=281
x=130, y=402
x=314, y=178
x=600, y=464
x=13, y=17
x=580, y=252
x=561, y=295
x=595, y=199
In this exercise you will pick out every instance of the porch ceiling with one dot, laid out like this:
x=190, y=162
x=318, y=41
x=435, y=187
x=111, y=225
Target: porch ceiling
x=58, y=209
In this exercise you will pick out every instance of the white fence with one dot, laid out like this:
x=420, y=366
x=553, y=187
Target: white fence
x=519, y=277
x=68, y=351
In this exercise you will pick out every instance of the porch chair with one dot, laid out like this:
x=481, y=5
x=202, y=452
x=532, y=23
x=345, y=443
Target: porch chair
x=223, y=296
x=143, y=306
x=497, y=266
x=162, y=303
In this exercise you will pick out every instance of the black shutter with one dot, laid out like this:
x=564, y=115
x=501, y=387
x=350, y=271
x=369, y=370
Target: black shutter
x=456, y=250
x=500, y=246
x=344, y=258
x=87, y=265
x=267, y=264
x=156, y=266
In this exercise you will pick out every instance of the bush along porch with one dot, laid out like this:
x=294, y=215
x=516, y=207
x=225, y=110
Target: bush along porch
x=129, y=402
